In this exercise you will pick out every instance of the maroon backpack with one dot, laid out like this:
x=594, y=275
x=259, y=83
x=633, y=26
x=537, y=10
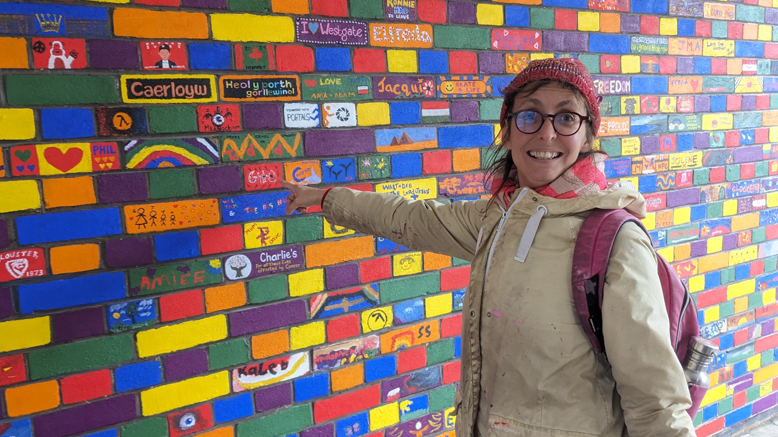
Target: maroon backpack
x=590, y=262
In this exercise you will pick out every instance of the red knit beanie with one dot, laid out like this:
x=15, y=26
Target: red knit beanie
x=567, y=70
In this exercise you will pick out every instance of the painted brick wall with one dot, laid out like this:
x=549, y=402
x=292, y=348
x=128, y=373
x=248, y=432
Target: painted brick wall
x=151, y=285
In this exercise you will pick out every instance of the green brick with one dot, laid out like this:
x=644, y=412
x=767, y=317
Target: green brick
x=739, y=354
x=775, y=38
x=758, y=235
x=80, y=356
x=733, y=173
x=458, y=261
x=774, y=97
x=610, y=106
x=770, y=264
x=754, y=300
x=697, y=419
x=268, y=290
x=440, y=351
x=407, y=288
x=719, y=29
x=541, y=18
x=290, y=421
x=725, y=405
x=442, y=398
x=490, y=109
x=715, y=210
x=727, y=308
x=458, y=37
x=727, y=275
x=304, y=229
x=172, y=119
x=367, y=9
x=611, y=146
x=592, y=62
x=59, y=89
x=250, y=5
x=762, y=169
x=154, y=427
x=228, y=353
x=164, y=184
x=701, y=176
x=767, y=358
x=750, y=14
x=763, y=67
x=752, y=393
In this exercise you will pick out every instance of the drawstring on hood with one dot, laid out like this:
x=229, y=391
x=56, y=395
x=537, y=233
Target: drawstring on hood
x=529, y=233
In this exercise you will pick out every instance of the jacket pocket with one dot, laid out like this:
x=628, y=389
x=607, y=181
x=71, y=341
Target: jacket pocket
x=504, y=427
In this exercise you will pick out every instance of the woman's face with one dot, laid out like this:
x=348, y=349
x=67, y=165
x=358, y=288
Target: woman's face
x=542, y=157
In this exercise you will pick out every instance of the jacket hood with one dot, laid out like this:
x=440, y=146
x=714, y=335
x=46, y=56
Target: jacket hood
x=616, y=196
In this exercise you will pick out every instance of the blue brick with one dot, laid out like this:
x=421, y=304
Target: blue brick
x=719, y=361
x=712, y=280
x=516, y=16
x=480, y=135
x=710, y=412
x=339, y=170
x=499, y=83
x=649, y=7
x=138, y=375
x=718, y=103
x=210, y=56
x=311, y=387
x=457, y=347
x=433, y=62
x=408, y=312
x=649, y=85
x=379, y=368
x=747, y=137
x=414, y=407
x=63, y=123
x=353, y=426
x=742, y=271
x=62, y=226
x=225, y=410
x=176, y=246
x=405, y=112
x=738, y=415
x=699, y=212
x=64, y=293
x=739, y=369
x=106, y=433
x=701, y=65
x=405, y=165
x=333, y=59
x=567, y=3
x=686, y=27
x=617, y=44
x=647, y=184
x=684, y=142
x=748, y=49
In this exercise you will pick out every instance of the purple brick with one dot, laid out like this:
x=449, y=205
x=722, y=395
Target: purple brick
x=6, y=303
x=342, y=276
x=267, y=317
x=263, y=116
x=748, y=154
x=461, y=12
x=206, y=4
x=185, y=364
x=273, y=397
x=464, y=110
x=702, y=140
x=748, y=102
x=699, y=248
x=685, y=66
x=491, y=63
x=771, y=16
x=327, y=430
x=630, y=23
x=702, y=103
x=88, y=322
x=339, y=142
x=683, y=197
x=113, y=54
x=4, y=240
x=123, y=187
x=93, y=415
x=130, y=252
x=224, y=179
x=729, y=242
x=764, y=403
x=554, y=40
x=649, y=144
x=768, y=327
x=740, y=384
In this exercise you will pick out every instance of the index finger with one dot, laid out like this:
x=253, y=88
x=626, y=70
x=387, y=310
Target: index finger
x=287, y=185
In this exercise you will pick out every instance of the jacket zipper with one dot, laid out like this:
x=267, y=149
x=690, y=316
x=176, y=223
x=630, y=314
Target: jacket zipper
x=505, y=215
x=686, y=299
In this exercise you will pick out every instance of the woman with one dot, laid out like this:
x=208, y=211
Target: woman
x=528, y=369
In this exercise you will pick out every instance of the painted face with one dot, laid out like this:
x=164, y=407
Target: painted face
x=542, y=157
x=164, y=54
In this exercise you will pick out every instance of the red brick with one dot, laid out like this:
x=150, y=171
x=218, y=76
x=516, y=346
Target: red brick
x=12, y=370
x=86, y=386
x=181, y=305
x=771, y=50
x=761, y=134
x=731, y=138
x=412, y=359
x=765, y=343
x=347, y=403
x=739, y=399
x=610, y=64
x=766, y=311
x=667, y=65
x=712, y=427
x=451, y=326
x=718, y=66
x=649, y=25
x=718, y=174
x=221, y=240
x=734, y=102
x=565, y=19
x=762, y=103
x=375, y=269
x=757, y=267
x=159, y=2
x=771, y=232
x=747, y=170
x=703, y=28
x=330, y=8
x=343, y=327
x=436, y=162
x=741, y=336
x=294, y=58
x=452, y=279
x=735, y=30
x=463, y=62
x=712, y=297
x=369, y=61
x=451, y=372
x=432, y=11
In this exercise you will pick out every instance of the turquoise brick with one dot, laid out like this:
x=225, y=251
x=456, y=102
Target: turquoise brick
x=752, y=393
x=733, y=173
x=490, y=109
x=741, y=353
x=592, y=62
x=442, y=398
x=459, y=262
x=395, y=290
x=228, y=353
x=268, y=290
x=770, y=264
x=290, y=421
x=768, y=357
x=715, y=210
x=440, y=351
x=701, y=176
x=758, y=235
x=749, y=14
x=541, y=18
x=727, y=275
x=727, y=308
x=719, y=29
x=762, y=169
x=774, y=97
x=754, y=300
x=458, y=37
x=611, y=146
x=697, y=418
x=725, y=405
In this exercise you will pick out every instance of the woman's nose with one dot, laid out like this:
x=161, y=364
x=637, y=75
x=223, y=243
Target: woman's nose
x=547, y=131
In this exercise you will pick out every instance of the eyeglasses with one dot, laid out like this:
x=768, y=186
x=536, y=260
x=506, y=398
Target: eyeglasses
x=565, y=123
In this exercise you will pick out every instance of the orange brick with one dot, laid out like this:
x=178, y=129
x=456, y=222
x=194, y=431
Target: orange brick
x=32, y=398
x=336, y=252
x=14, y=52
x=76, y=258
x=346, y=378
x=270, y=344
x=713, y=262
x=734, y=66
x=750, y=30
x=610, y=23
x=436, y=261
x=743, y=222
x=59, y=192
x=143, y=23
x=227, y=431
x=225, y=297
x=466, y=160
x=299, y=7
x=682, y=252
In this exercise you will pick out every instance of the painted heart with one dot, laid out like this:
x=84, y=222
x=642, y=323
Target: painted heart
x=694, y=83
x=313, y=26
x=23, y=155
x=5, y=427
x=17, y=267
x=31, y=167
x=310, y=83
x=20, y=168
x=63, y=161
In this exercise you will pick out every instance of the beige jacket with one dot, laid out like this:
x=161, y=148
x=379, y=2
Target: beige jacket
x=528, y=369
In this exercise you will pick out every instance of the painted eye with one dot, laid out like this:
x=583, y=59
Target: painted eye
x=187, y=421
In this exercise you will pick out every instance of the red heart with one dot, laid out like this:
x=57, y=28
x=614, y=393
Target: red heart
x=5, y=427
x=310, y=83
x=63, y=161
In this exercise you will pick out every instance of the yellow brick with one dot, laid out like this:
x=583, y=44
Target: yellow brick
x=385, y=415
x=696, y=283
x=16, y=124
x=715, y=244
x=741, y=289
x=768, y=296
x=589, y=21
x=714, y=394
x=332, y=230
x=741, y=304
x=406, y=264
x=534, y=56
x=373, y=114
x=633, y=181
x=743, y=222
x=711, y=314
x=714, y=379
x=730, y=207
x=754, y=363
x=263, y=234
x=307, y=282
x=765, y=32
x=182, y=393
x=247, y=27
x=740, y=256
x=630, y=64
x=682, y=252
x=32, y=398
x=650, y=221
x=682, y=216
x=378, y=318
x=490, y=15
x=181, y=336
x=668, y=26
x=668, y=253
x=773, y=134
x=14, y=52
x=146, y=23
x=772, y=198
x=438, y=305
x=765, y=388
x=24, y=333
x=766, y=373
x=401, y=61
x=307, y=335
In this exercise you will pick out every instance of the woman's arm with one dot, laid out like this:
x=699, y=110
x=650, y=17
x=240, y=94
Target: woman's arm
x=649, y=377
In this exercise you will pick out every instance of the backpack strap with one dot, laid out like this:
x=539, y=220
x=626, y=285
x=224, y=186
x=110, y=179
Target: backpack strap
x=590, y=263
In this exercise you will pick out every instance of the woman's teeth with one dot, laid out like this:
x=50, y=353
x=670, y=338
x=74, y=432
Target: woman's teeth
x=544, y=155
